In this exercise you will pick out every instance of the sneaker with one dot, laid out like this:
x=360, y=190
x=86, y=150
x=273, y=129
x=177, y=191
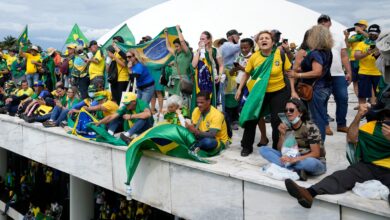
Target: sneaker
x=342, y=129
x=330, y=119
x=49, y=124
x=245, y=152
x=30, y=119
x=3, y=110
x=63, y=124
x=301, y=194
x=328, y=131
x=126, y=139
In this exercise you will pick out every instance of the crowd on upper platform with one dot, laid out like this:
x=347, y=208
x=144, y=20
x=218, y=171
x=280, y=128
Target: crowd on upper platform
x=218, y=87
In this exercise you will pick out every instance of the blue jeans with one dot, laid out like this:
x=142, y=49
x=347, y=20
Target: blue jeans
x=311, y=165
x=43, y=118
x=140, y=126
x=340, y=93
x=207, y=144
x=113, y=125
x=318, y=108
x=31, y=78
x=146, y=94
x=58, y=115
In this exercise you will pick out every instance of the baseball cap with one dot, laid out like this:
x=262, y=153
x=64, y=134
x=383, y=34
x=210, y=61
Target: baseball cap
x=323, y=17
x=129, y=97
x=233, y=32
x=50, y=51
x=374, y=29
x=71, y=46
x=363, y=22
x=33, y=47
x=44, y=94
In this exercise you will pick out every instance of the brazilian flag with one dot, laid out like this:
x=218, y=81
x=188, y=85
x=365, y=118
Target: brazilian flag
x=154, y=52
x=23, y=39
x=76, y=36
x=85, y=128
x=125, y=33
x=257, y=87
x=169, y=139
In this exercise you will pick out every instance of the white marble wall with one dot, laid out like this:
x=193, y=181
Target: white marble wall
x=202, y=195
x=262, y=202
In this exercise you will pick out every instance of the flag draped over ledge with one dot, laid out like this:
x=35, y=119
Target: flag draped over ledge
x=154, y=52
x=169, y=139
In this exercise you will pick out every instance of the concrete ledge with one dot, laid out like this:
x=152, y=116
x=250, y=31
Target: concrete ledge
x=12, y=213
x=231, y=188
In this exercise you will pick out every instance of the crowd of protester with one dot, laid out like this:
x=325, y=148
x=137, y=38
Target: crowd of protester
x=237, y=82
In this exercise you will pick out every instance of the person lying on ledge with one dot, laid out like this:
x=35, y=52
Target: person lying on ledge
x=373, y=141
x=311, y=159
x=208, y=125
x=136, y=115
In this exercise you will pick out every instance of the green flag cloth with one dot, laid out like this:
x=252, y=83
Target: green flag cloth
x=76, y=36
x=372, y=146
x=23, y=39
x=125, y=33
x=169, y=139
x=17, y=69
x=254, y=102
x=154, y=52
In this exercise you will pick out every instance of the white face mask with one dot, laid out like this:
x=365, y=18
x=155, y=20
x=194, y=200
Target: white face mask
x=91, y=94
x=296, y=120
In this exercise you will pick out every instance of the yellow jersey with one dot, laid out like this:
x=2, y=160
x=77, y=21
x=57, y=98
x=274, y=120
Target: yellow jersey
x=96, y=69
x=30, y=67
x=214, y=119
x=123, y=71
x=276, y=79
x=111, y=108
x=367, y=65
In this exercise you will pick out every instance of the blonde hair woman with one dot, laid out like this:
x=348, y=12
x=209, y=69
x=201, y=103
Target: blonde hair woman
x=315, y=71
x=145, y=81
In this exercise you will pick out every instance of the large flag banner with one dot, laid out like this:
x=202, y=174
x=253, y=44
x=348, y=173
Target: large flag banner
x=77, y=37
x=169, y=139
x=154, y=53
x=125, y=33
x=23, y=39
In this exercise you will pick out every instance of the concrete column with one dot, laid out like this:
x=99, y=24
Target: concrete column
x=3, y=162
x=81, y=199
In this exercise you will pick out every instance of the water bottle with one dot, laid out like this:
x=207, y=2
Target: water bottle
x=128, y=192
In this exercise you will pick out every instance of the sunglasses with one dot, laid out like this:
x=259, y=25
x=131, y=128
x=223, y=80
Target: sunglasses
x=290, y=110
x=129, y=56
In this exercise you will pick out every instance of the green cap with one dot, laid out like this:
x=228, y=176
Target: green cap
x=92, y=88
x=100, y=97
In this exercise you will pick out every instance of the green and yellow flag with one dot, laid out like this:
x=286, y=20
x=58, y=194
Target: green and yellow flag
x=154, y=53
x=76, y=36
x=257, y=87
x=125, y=33
x=23, y=39
x=169, y=139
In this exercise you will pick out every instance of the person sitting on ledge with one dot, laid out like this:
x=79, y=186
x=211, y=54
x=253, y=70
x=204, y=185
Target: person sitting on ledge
x=208, y=125
x=136, y=115
x=373, y=141
x=308, y=137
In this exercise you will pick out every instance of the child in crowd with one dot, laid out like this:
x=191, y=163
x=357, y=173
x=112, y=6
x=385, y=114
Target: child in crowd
x=176, y=113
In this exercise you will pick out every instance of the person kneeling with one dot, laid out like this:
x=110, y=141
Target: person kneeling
x=136, y=115
x=311, y=157
x=208, y=125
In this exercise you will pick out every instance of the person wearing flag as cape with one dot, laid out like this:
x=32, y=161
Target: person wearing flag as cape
x=136, y=115
x=268, y=90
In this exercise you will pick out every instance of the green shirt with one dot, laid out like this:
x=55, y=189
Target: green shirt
x=182, y=62
x=3, y=66
x=140, y=107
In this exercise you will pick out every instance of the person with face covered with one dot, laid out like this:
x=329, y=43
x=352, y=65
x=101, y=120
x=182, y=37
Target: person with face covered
x=312, y=154
x=369, y=75
x=267, y=90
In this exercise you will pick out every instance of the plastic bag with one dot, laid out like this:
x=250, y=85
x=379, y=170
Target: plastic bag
x=279, y=173
x=290, y=146
x=372, y=189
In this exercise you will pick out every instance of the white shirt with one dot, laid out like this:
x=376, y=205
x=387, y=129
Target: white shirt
x=339, y=43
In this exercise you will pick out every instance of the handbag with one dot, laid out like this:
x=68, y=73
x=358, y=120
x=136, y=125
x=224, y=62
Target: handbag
x=186, y=85
x=305, y=91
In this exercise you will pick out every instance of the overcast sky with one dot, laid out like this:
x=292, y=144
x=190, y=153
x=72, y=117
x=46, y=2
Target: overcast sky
x=50, y=21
